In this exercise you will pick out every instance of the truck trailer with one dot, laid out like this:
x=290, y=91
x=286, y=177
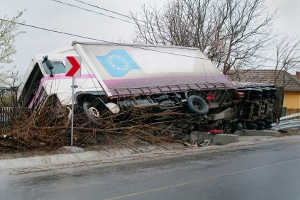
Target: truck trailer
x=115, y=77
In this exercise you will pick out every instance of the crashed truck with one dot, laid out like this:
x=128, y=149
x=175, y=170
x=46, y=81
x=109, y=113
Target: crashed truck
x=115, y=77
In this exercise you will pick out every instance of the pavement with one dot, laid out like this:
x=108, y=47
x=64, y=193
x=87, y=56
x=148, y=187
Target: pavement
x=69, y=157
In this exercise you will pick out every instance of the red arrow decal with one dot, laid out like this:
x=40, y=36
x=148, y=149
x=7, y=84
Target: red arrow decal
x=75, y=66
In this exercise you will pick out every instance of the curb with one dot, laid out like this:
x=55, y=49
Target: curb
x=77, y=157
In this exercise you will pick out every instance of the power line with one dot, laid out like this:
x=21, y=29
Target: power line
x=72, y=5
x=99, y=40
x=126, y=16
x=107, y=10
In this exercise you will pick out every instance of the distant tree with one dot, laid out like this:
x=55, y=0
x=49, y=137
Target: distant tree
x=8, y=33
x=287, y=49
x=284, y=60
x=232, y=33
x=9, y=82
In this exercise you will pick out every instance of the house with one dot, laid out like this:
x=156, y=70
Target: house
x=290, y=83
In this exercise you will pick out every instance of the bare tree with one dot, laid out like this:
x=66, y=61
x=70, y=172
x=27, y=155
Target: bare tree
x=287, y=59
x=287, y=53
x=232, y=33
x=8, y=33
x=9, y=79
x=284, y=61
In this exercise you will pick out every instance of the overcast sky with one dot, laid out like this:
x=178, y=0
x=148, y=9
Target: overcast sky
x=289, y=11
x=57, y=16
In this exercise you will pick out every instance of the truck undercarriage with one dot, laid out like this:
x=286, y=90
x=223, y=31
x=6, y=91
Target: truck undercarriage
x=221, y=110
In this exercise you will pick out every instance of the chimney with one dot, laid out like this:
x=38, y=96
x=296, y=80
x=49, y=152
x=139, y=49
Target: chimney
x=298, y=75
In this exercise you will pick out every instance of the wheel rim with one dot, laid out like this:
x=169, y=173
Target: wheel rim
x=197, y=104
x=94, y=112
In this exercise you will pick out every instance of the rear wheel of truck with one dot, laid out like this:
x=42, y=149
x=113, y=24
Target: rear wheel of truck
x=92, y=112
x=251, y=126
x=268, y=121
x=197, y=105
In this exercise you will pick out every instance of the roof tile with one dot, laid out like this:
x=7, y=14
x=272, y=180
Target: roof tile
x=279, y=78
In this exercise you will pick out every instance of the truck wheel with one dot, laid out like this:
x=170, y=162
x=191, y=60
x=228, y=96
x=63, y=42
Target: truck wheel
x=198, y=105
x=268, y=121
x=268, y=126
x=251, y=126
x=91, y=112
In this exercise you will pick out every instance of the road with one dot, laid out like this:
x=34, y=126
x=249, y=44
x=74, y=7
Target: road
x=262, y=171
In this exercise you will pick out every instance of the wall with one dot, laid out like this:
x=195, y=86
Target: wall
x=291, y=100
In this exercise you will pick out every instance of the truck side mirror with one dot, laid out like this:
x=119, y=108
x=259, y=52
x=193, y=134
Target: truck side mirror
x=49, y=65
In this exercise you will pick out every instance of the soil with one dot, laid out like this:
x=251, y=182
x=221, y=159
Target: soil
x=288, y=132
x=125, y=142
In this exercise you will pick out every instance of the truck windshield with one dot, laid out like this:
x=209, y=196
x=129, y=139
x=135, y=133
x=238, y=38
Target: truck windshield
x=58, y=67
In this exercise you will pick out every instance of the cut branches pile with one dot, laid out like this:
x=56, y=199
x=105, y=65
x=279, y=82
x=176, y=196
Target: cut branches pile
x=50, y=129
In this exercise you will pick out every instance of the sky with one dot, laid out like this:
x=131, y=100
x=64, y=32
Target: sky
x=289, y=10
x=52, y=14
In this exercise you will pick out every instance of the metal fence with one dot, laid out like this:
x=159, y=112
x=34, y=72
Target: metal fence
x=8, y=113
x=288, y=121
x=5, y=116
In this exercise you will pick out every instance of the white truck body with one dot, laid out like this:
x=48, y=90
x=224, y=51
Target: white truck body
x=126, y=70
x=116, y=77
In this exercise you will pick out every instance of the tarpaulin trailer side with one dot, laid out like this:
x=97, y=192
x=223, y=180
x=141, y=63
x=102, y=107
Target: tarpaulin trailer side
x=134, y=69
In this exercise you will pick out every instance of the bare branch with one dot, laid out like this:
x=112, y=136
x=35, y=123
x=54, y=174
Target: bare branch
x=231, y=33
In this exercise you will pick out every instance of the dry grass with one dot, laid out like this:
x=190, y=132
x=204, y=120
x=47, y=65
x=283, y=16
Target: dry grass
x=288, y=132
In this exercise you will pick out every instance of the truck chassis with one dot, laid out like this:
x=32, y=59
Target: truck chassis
x=247, y=107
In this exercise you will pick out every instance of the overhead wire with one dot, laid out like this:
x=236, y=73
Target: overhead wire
x=100, y=40
x=111, y=11
x=107, y=10
x=72, y=5
x=94, y=39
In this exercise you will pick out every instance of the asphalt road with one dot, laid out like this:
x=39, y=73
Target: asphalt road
x=263, y=171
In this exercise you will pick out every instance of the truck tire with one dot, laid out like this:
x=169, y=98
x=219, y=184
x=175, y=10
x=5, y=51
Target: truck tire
x=91, y=112
x=268, y=121
x=251, y=126
x=198, y=105
x=268, y=126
